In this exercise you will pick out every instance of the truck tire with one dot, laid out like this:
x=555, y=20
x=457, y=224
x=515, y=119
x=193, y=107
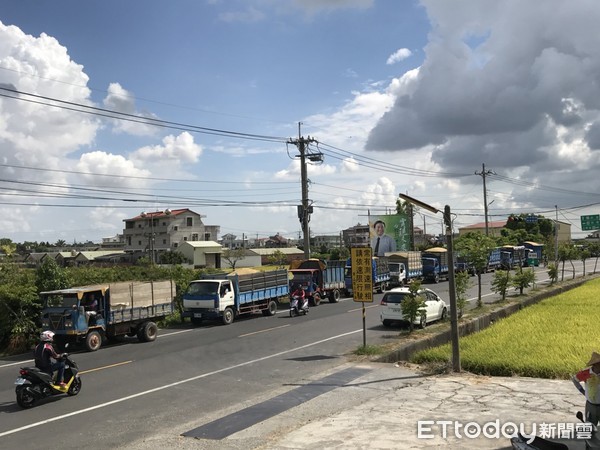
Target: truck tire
x=334, y=296
x=436, y=278
x=228, y=316
x=147, y=332
x=271, y=309
x=93, y=341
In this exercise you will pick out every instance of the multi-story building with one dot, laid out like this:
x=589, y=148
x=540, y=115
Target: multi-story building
x=356, y=236
x=159, y=231
x=328, y=241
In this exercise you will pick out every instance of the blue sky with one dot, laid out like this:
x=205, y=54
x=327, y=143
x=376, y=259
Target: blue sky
x=403, y=97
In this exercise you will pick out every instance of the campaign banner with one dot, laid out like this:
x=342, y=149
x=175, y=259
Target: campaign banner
x=389, y=233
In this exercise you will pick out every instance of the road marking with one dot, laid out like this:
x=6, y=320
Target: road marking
x=262, y=331
x=170, y=385
x=16, y=363
x=360, y=309
x=106, y=367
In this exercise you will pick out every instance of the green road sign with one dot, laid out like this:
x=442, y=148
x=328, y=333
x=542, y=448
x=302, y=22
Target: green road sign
x=591, y=222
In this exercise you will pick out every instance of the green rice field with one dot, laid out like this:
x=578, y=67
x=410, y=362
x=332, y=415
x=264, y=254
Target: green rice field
x=551, y=339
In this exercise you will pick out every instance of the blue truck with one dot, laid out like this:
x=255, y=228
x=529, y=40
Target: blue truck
x=494, y=260
x=435, y=264
x=380, y=274
x=512, y=256
x=227, y=296
x=96, y=313
x=319, y=279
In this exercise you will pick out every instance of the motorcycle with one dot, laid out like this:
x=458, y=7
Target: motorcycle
x=34, y=385
x=296, y=308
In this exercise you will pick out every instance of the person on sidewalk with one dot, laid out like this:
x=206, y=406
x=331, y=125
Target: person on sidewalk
x=591, y=377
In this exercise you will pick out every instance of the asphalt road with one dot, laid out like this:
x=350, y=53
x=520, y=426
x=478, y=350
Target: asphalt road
x=192, y=375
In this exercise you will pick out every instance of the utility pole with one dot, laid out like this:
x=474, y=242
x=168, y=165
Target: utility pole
x=305, y=209
x=483, y=174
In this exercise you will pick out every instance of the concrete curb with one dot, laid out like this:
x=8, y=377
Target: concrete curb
x=405, y=351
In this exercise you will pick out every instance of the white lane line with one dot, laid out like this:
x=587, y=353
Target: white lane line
x=262, y=331
x=167, y=386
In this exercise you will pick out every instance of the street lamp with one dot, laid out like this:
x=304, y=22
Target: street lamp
x=451, y=280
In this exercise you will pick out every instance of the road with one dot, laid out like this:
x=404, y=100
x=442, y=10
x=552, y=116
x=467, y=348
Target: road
x=193, y=375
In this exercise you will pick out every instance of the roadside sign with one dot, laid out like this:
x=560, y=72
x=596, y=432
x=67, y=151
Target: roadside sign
x=531, y=219
x=590, y=223
x=362, y=274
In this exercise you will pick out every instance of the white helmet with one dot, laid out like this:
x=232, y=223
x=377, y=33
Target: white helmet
x=47, y=336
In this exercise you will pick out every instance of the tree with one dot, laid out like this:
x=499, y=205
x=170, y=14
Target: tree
x=523, y=279
x=501, y=282
x=583, y=255
x=566, y=252
x=277, y=258
x=172, y=258
x=553, y=273
x=461, y=284
x=233, y=256
x=413, y=305
x=19, y=308
x=49, y=276
x=476, y=248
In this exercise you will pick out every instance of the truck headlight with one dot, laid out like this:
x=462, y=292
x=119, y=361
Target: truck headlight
x=68, y=323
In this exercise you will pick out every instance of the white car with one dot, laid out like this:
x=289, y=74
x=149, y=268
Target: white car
x=391, y=307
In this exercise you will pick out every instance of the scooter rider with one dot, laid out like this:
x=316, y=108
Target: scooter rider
x=299, y=292
x=44, y=353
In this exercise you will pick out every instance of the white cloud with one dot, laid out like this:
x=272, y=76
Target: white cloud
x=180, y=148
x=398, y=55
x=122, y=101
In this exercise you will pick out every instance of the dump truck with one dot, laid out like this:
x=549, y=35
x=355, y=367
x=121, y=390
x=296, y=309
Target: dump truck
x=319, y=279
x=380, y=274
x=404, y=267
x=435, y=264
x=227, y=296
x=96, y=313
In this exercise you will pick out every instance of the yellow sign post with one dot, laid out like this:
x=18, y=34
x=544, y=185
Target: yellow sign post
x=362, y=280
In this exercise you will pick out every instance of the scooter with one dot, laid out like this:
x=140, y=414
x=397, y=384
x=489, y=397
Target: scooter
x=34, y=385
x=296, y=308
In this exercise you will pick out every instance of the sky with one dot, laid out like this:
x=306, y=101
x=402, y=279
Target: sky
x=112, y=108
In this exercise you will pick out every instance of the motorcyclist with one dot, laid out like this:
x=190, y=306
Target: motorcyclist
x=44, y=353
x=300, y=295
x=299, y=292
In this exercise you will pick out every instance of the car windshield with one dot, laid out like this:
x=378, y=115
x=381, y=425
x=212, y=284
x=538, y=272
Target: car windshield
x=394, y=297
x=428, y=262
x=60, y=300
x=203, y=288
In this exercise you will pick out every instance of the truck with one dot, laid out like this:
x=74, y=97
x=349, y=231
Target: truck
x=380, y=274
x=435, y=264
x=512, y=256
x=404, y=267
x=319, y=279
x=494, y=260
x=535, y=254
x=94, y=314
x=227, y=296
